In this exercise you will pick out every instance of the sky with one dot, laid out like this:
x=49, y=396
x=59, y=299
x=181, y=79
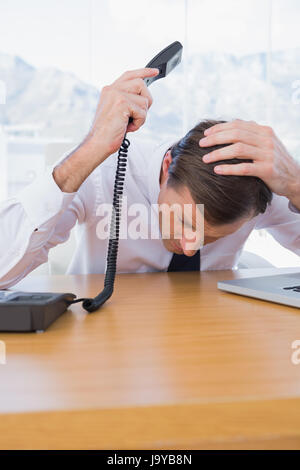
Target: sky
x=99, y=39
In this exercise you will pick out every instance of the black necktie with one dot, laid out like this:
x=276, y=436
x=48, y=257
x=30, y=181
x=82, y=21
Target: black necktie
x=185, y=263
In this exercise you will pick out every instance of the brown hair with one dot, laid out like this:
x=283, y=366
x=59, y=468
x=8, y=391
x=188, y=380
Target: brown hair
x=226, y=198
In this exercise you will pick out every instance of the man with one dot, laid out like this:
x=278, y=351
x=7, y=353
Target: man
x=236, y=200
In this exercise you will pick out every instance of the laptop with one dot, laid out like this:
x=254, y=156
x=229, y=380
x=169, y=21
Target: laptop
x=279, y=288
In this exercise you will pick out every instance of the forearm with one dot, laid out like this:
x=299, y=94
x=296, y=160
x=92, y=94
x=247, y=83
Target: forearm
x=71, y=172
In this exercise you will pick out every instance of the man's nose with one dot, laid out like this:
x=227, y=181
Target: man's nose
x=185, y=247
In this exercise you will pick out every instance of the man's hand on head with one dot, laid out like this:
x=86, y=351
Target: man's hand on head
x=271, y=162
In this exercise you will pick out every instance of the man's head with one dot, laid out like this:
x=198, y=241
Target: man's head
x=229, y=201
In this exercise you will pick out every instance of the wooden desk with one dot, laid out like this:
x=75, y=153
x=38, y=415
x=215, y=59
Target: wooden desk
x=169, y=363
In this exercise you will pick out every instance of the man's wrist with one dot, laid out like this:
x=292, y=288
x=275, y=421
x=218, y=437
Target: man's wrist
x=294, y=198
x=71, y=172
x=295, y=202
x=294, y=194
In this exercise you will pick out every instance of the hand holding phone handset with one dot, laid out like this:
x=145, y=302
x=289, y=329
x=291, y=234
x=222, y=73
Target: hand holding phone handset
x=165, y=61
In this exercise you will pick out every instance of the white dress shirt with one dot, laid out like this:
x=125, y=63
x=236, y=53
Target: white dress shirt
x=42, y=216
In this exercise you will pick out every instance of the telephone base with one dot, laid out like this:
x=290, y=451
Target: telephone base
x=28, y=311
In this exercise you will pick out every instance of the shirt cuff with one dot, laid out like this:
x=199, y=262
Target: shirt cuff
x=293, y=208
x=43, y=199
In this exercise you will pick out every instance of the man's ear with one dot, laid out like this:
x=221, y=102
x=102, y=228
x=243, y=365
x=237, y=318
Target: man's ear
x=165, y=166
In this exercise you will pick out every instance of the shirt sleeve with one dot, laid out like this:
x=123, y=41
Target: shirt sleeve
x=38, y=218
x=282, y=221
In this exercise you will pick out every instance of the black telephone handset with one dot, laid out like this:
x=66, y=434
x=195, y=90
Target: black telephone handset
x=24, y=311
x=165, y=61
